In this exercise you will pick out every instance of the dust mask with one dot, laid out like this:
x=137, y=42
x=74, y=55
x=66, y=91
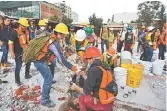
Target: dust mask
x=42, y=28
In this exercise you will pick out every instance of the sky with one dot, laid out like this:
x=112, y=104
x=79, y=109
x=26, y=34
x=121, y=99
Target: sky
x=102, y=8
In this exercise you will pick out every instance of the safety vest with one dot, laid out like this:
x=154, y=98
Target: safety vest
x=148, y=37
x=108, y=87
x=72, y=38
x=81, y=48
x=23, y=38
x=106, y=61
x=111, y=37
x=105, y=33
x=45, y=51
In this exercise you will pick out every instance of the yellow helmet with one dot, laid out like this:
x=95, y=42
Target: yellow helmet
x=23, y=21
x=41, y=23
x=61, y=28
x=143, y=27
x=46, y=20
x=84, y=23
x=92, y=26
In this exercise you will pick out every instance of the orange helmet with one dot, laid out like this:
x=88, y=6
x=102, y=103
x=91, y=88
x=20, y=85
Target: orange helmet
x=92, y=52
x=111, y=51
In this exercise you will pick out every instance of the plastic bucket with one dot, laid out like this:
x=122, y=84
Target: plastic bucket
x=158, y=67
x=120, y=76
x=147, y=67
x=126, y=61
x=134, y=77
x=126, y=55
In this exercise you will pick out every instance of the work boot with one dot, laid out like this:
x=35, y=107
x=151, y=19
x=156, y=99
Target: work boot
x=49, y=104
x=17, y=79
x=27, y=76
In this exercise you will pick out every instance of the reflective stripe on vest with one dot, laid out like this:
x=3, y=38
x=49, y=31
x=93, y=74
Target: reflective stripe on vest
x=22, y=38
x=106, y=62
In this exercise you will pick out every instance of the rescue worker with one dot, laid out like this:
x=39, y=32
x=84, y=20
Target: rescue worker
x=92, y=97
x=31, y=30
x=4, y=37
x=47, y=56
x=42, y=27
x=162, y=42
x=17, y=42
x=111, y=37
x=142, y=32
x=81, y=43
x=155, y=37
x=90, y=36
x=72, y=35
x=109, y=58
x=104, y=35
x=84, y=24
x=129, y=40
x=122, y=37
x=150, y=32
x=148, y=52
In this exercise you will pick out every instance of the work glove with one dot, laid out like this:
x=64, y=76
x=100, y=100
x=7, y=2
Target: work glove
x=77, y=70
x=132, y=46
x=73, y=87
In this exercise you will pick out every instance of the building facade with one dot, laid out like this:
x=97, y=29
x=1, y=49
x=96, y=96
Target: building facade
x=124, y=17
x=30, y=9
x=66, y=10
x=75, y=16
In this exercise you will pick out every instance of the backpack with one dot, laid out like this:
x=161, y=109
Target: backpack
x=32, y=51
x=108, y=87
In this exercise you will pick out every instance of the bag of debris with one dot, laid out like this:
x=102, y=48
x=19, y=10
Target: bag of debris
x=31, y=53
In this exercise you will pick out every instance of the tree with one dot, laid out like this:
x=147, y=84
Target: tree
x=54, y=18
x=66, y=20
x=149, y=10
x=97, y=22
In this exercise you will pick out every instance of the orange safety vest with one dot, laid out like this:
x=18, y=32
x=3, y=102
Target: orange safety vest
x=107, y=83
x=22, y=38
x=45, y=49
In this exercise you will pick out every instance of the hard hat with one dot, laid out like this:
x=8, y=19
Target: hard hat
x=71, y=27
x=88, y=31
x=125, y=25
x=61, y=28
x=150, y=28
x=46, y=20
x=23, y=21
x=111, y=51
x=92, y=52
x=80, y=35
x=130, y=28
x=92, y=26
x=84, y=23
x=143, y=27
x=41, y=23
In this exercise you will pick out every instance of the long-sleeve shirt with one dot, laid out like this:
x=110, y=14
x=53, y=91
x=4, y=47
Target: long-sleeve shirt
x=123, y=35
x=5, y=34
x=55, y=48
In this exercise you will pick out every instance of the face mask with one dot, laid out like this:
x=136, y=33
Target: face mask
x=42, y=28
x=108, y=56
x=129, y=31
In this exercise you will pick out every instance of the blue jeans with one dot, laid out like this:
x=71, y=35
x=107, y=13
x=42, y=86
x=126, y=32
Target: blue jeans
x=18, y=61
x=104, y=42
x=45, y=71
x=4, y=49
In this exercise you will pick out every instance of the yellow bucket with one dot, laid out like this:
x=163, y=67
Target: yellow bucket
x=126, y=66
x=134, y=77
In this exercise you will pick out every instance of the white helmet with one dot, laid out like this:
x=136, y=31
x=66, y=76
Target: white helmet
x=80, y=35
x=125, y=25
x=150, y=28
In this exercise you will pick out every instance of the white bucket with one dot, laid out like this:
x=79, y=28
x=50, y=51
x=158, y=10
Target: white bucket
x=155, y=55
x=126, y=55
x=158, y=67
x=165, y=56
x=120, y=76
x=147, y=67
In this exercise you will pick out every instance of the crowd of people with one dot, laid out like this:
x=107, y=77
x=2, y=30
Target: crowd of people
x=95, y=93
